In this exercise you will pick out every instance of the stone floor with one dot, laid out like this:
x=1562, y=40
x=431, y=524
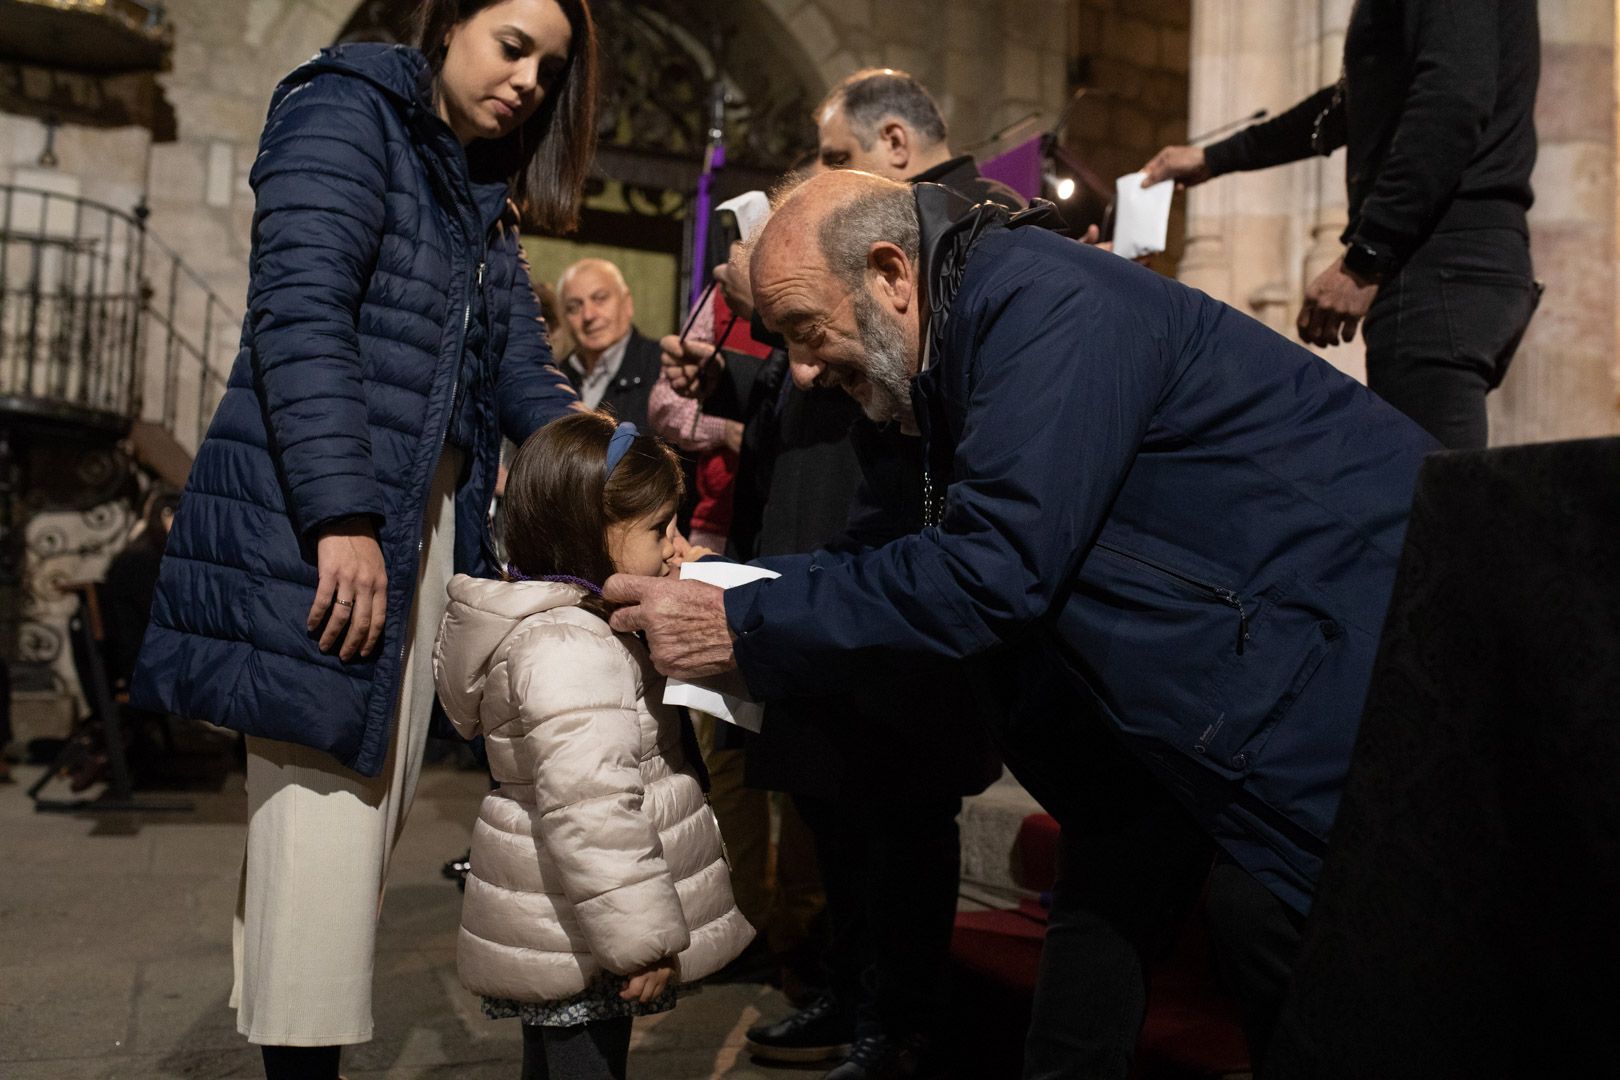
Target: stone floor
x=115, y=955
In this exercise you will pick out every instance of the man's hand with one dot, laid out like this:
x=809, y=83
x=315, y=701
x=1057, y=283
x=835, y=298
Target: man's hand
x=645, y=985
x=733, y=278
x=1335, y=304
x=353, y=590
x=692, y=367
x=685, y=623
x=1183, y=164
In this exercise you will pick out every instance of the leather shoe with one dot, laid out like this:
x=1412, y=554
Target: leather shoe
x=820, y=1031
x=879, y=1057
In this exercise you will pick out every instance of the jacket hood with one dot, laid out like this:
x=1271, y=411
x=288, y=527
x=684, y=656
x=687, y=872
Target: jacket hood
x=402, y=74
x=481, y=616
x=399, y=71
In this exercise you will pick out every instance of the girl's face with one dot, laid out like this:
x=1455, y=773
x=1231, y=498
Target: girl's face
x=644, y=545
x=498, y=66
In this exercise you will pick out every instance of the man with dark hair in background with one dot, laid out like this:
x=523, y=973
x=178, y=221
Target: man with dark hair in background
x=1436, y=105
x=883, y=121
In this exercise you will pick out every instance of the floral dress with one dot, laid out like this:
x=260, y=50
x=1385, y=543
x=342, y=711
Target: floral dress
x=598, y=1001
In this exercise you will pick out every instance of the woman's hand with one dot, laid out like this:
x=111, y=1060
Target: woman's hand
x=647, y=984
x=353, y=591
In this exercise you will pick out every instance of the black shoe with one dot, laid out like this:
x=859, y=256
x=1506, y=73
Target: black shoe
x=457, y=869
x=878, y=1057
x=816, y=1033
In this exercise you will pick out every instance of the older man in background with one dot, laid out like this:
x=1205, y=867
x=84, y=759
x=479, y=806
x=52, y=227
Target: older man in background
x=613, y=365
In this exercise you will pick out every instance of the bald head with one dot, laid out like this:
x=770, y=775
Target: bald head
x=835, y=272
x=830, y=221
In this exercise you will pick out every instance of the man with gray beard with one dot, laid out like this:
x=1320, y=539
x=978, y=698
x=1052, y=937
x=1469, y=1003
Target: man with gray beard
x=1159, y=539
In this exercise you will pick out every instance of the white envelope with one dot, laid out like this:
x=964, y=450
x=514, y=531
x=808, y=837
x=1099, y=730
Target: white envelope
x=1141, y=216
x=726, y=695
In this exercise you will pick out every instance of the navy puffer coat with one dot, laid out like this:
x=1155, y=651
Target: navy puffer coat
x=373, y=251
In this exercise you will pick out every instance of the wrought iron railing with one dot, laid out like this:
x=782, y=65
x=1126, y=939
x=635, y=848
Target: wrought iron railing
x=102, y=322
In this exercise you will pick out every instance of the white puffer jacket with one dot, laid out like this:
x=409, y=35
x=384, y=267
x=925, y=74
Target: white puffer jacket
x=597, y=852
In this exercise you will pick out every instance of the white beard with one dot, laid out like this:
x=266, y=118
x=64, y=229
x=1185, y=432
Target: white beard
x=888, y=365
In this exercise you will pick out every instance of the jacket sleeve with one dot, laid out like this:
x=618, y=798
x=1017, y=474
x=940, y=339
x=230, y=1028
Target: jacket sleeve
x=1064, y=385
x=319, y=180
x=1282, y=139
x=576, y=698
x=677, y=419
x=531, y=392
x=1453, y=92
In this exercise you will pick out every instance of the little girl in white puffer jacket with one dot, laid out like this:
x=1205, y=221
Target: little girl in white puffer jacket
x=598, y=878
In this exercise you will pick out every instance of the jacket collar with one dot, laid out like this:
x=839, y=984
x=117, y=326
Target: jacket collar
x=949, y=228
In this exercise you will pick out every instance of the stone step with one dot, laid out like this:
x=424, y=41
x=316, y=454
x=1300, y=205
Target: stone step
x=989, y=826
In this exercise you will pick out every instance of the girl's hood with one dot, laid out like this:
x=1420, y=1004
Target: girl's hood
x=481, y=616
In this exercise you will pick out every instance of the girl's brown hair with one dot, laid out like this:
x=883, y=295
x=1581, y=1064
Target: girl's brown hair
x=558, y=506
x=547, y=160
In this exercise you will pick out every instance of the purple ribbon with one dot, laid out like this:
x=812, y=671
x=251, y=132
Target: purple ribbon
x=566, y=579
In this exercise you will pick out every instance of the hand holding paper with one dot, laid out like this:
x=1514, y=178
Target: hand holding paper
x=725, y=695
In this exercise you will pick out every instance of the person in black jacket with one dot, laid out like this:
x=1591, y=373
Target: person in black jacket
x=1436, y=107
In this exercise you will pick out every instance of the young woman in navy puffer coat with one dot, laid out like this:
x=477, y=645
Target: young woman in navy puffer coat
x=392, y=338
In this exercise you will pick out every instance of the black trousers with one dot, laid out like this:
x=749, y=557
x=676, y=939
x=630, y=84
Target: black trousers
x=1442, y=331
x=890, y=868
x=1131, y=866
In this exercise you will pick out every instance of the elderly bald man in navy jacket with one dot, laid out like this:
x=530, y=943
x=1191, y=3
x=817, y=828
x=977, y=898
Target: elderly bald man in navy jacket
x=1163, y=541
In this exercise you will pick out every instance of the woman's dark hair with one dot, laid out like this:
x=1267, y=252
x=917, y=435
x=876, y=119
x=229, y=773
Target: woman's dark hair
x=558, y=507
x=545, y=161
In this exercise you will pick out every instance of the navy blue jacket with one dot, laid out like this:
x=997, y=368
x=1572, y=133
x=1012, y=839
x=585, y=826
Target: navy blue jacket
x=1158, y=511
x=373, y=251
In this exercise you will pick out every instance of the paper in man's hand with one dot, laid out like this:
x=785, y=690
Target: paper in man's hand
x=723, y=696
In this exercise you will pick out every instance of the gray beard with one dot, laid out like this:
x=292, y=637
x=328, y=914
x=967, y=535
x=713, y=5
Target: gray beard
x=888, y=367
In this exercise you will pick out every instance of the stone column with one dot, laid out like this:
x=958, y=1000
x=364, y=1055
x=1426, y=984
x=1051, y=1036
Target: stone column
x=1331, y=202
x=1564, y=380
x=1243, y=229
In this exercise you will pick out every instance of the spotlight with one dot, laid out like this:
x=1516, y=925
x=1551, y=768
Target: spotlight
x=1061, y=187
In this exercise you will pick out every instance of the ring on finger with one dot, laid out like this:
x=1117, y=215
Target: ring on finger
x=344, y=603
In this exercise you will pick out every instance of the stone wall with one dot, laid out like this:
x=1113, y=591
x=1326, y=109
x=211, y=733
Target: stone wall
x=1565, y=382
x=1255, y=240
x=1132, y=57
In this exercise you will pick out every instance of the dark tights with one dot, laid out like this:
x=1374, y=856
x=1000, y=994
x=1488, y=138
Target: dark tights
x=301, y=1062
x=599, y=1050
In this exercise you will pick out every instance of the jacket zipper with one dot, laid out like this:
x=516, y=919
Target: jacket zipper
x=1226, y=596
x=444, y=429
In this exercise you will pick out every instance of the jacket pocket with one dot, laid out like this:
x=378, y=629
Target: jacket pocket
x=1220, y=668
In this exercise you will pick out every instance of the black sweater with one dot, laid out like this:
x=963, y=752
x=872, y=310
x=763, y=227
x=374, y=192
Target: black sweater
x=1436, y=107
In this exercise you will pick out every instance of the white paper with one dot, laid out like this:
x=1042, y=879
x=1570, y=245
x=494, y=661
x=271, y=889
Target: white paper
x=726, y=695
x=1141, y=216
